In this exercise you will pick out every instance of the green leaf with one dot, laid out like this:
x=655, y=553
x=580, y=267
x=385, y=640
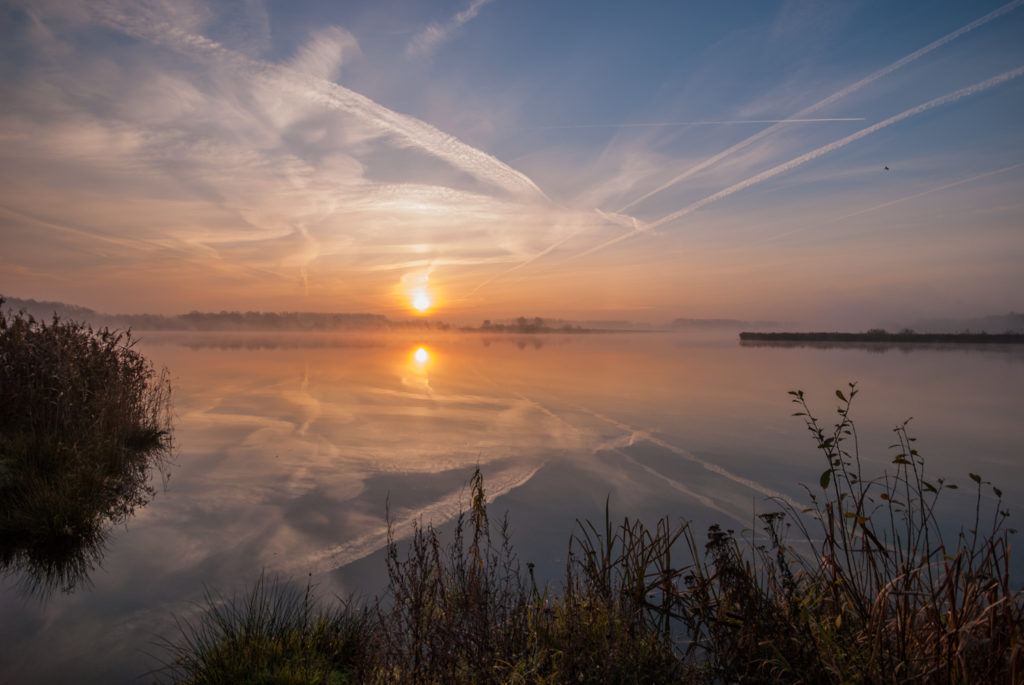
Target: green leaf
x=840, y=395
x=825, y=478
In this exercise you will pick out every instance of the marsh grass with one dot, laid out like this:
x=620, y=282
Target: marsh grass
x=870, y=591
x=276, y=634
x=84, y=422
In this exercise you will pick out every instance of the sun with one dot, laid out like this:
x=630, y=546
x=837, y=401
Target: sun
x=421, y=301
x=421, y=355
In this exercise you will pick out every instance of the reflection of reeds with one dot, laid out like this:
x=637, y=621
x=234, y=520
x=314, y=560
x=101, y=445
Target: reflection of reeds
x=83, y=421
x=879, y=597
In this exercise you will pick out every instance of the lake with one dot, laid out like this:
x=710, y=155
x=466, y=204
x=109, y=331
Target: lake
x=291, y=448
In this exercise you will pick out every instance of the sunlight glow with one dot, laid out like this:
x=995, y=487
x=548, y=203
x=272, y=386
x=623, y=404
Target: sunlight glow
x=421, y=355
x=421, y=301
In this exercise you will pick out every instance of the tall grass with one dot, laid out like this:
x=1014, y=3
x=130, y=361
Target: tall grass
x=274, y=634
x=870, y=591
x=84, y=420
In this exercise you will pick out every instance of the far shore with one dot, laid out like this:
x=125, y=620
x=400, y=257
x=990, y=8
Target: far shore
x=886, y=337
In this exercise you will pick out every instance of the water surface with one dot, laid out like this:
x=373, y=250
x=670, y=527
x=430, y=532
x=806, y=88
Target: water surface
x=290, y=448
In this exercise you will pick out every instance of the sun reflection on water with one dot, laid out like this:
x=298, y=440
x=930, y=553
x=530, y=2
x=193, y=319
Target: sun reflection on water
x=421, y=356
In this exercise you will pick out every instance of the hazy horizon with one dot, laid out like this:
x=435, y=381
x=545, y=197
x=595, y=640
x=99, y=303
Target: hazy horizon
x=842, y=165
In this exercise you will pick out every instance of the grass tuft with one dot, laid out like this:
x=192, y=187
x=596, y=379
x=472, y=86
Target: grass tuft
x=275, y=634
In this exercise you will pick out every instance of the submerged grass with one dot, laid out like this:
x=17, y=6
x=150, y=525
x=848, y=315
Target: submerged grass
x=873, y=593
x=84, y=420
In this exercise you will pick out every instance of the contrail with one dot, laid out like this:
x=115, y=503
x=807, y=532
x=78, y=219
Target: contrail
x=408, y=130
x=883, y=205
x=814, y=154
x=832, y=98
x=710, y=122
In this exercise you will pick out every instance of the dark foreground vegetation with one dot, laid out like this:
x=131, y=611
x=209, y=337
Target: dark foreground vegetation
x=84, y=420
x=869, y=590
x=878, y=335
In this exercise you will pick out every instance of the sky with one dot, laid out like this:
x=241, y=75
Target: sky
x=833, y=162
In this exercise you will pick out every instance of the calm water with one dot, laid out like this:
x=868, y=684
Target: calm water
x=290, y=447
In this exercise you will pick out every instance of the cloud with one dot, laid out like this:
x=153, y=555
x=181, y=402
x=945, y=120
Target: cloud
x=324, y=54
x=715, y=122
x=405, y=130
x=813, y=154
x=834, y=97
x=243, y=172
x=428, y=40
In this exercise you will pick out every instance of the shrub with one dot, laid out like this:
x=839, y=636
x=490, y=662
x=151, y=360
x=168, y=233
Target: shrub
x=84, y=419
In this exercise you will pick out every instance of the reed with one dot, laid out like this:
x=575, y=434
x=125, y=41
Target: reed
x=84, y=423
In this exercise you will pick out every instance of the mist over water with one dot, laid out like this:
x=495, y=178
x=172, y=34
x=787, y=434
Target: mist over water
x=292, y=446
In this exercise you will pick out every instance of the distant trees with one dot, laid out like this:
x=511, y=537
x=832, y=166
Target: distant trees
x=525, y=325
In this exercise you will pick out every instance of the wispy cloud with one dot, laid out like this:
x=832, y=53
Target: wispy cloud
x=834, y=97
x=890, y=203
x=323, y=55
x=262, y=176
x=405, y=129
x=711, y=122
x=431, y=38
x=813, y=154
x=842, y=142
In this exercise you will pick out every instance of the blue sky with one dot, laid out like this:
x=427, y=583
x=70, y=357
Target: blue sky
x=578, y=159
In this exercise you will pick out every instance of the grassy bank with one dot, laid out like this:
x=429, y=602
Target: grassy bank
x=84, y=419
x=868, y=590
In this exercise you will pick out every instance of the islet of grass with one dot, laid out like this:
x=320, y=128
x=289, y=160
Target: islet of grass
x=871, y=591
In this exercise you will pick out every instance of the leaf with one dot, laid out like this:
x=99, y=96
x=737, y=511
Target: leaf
x=999, y=493
x=975, y=477
x=840, y=395
x=825, y=478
